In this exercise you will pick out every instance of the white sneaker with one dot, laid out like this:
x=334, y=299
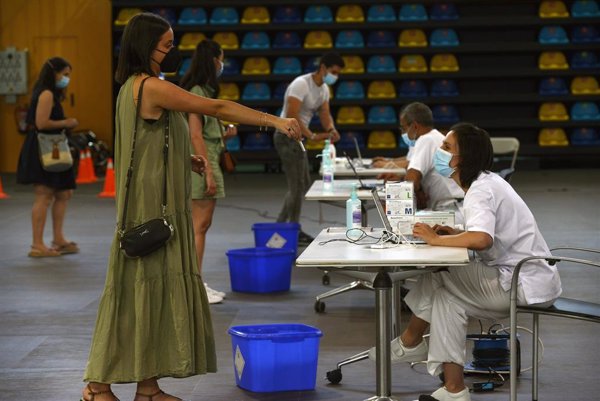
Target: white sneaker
x=441, y=394
x=400, y=353
x=213, y=298
x=219, y=293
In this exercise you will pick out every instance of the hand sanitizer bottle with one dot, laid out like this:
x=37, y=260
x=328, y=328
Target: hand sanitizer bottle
x=327, y=170
x=353, y=210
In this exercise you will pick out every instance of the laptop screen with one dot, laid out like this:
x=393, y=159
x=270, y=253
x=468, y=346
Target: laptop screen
x=379, y=207
x=354, y=170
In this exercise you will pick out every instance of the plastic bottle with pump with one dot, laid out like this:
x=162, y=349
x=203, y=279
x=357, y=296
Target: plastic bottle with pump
x=327, y=168
x=353, y=213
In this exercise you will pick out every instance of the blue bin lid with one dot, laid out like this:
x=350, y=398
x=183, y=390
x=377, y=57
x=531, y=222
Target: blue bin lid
x=260, y=251
x=275, y=331
x=275, y=226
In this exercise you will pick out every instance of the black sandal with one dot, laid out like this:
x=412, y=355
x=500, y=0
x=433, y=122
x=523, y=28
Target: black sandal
x=94, y=394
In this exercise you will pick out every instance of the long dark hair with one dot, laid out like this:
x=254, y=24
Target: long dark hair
x=140, y=38
x=202, y=71
x=47, y=77
x=476, y=152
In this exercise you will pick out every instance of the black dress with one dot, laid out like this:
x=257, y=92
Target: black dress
x=29, y=170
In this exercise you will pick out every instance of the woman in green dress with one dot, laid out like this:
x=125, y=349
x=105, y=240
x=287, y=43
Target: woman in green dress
x=153, y=319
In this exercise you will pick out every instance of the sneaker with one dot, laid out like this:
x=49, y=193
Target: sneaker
x=400, y=353
x=304, y=238
x=219, y=293
x=441, y=394
x=213, y=298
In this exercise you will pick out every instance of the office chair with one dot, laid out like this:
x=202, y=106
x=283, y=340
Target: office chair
x=563, y=307
x=503, y=146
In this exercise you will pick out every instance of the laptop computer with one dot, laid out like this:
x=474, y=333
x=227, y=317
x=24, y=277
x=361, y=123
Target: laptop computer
x=386, y=223
x=361, y=184
x=363, y=163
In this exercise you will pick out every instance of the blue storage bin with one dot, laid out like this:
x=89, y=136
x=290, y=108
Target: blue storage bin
x=276, y=235
x=260, y=269
x=275, y=357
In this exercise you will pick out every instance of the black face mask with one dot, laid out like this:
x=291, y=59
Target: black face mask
x=171, y=61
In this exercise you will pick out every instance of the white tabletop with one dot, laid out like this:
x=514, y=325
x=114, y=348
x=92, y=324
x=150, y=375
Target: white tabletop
x=341, y=190
x=342, y=169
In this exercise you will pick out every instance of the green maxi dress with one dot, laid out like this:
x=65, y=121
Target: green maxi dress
x=153, y=318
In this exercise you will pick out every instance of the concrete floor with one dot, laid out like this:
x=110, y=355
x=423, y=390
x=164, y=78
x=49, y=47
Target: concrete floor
x=48, y=307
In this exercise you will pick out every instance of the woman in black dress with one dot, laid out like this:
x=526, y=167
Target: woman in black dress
x=46, y=114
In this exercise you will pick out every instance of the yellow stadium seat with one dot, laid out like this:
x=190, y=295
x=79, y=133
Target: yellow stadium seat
x=553, y=61
x=125, y=14
x=553, y=9
x=350, y=13
x=229, y=91
x=412, y=38
x=314, y=145
x=227, y=40
x=318, y=40
x=553, y=137
x=350, y=115
x=256, y=15
x=381, y=90
x=412, y=63
x=381, y=140
x=444, y=62
x=553, y=111
x=585, y=86
x=354, y=65
x=190, y=40
x=256, y=66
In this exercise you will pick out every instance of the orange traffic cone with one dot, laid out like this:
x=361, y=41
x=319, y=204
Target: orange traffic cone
x=90, y=164
x=3, y=195
x=83, y=175
x=109, y=182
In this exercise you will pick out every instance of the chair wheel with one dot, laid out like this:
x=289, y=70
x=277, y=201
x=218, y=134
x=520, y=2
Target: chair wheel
x=334, y=376
x=325, y=279
x=319, y=306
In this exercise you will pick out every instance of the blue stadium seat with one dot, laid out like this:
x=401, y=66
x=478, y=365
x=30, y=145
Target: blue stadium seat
x=381, y=13
x=350, y=90
x=192, y=16
x=255, y=40
x=346, y=141
x=585, y=137
x=381, y=64
x=382, y=115
x=167, y=13
x=443, y=12
x=224, y=16
x=412, y=12
x=287, y=15
x=279, y=91
x=443, y=37
x=584, y=59
x=185, y=65
x=381, y=39
x=349, y=40
x=585, y=9
x=552, y=34
x=585, y=34
x=287, y=40
x=257, y=141
x=413, y=88
x=553, y=86
x=585, y=111
x=256, y=91
x=287, y=65
x=233, y=144
x=445, y=114
x=315, y=121
x=311, y=64
x=444, y=87
x=318, y=15
x=230, y=67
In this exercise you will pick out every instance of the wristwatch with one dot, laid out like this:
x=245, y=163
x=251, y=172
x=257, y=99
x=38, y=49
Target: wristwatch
x=312, y=136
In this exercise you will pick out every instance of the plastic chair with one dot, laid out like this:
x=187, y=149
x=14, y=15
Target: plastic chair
x=256, y=66
x=257, y=141
x=412, y=38
x=185, y=65
x=562, y=308
x=256, y=91
x=381, y=13
x=349, y=40
x=230, y=67
x=349, y=13
x=585, y=137
x=382, y=115
x=350, y=90
x=125, y=14
x=412, y=63
x=444, y=63
x=585, y=9
x=287, y=40
x=229, y=91
x=318, y=40
x=381, y=64
x=380, y=39
x=353, y=65
x=381, y=90
x=350, y=115
x=287, y=15
x=585, y=86
x=584, y=59
x=444, y=87
x=445, y=114
x=318, y=15
x=443, y=12
x=412, y=12
x=192, y=16
x=287, y=65
x=552, y=86
x=443, y=37
x=552, y=61
x=167, y=13
x=224, y=16
x=553, y=111
x=346, y=141
x=233, y=144
x=255, y=41
x=550, y=35
x=585, y=34
x=279, y=92
x=585, y=111
x=256, y=15
x=503, y=147
x=227, y=40
x=381, y=140
x=553, y=137
x=190, y=40
x=553, y=9
x=311, y=64
x=413, y=88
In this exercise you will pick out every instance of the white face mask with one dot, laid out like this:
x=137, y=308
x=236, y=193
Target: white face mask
x=330, y=79
x=220, y=68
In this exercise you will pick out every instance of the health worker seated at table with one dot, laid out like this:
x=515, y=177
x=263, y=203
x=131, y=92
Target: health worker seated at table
x=501, y=230
x=416, y=120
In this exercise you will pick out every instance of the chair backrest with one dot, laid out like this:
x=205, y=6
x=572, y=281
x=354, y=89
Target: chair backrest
x=256, y=15
x=585, y=8
x=381, y=63
x=584, y=59
x=279, y=92
x=352, y=39
x=587, y=85
x=318, y=40
x=553, y=86
x=287, y=65
x=381, y=39
x=443, y=12
x=381, y=140
x=412, y=38
x=412, y=12
x=506, y=146
x=347, y=140
x=190, y=40
x=382, y=115
x=443, y=37
x=318, y=14
x=585, y=137
x=585, y=111
x=412, y=63
x=553, y=137
x=229, y=91
x=125, y=14
x=167, y=13
x=445, y=114
x=353, y=65
x=256, y=66
x=552, y=61
x=350, y=13
x=256, y=40
x=287, y=15
x=257, y=141
x=381, y=13
x=287, y=40
x=256, y=91
x=350, y=115
x=227, y=40
x=585, y=34
x=224, y=16
x=192, y=16
x=381, y=90
x=553, y=34
x=185, y=65
x=413, y=88
x=553, y=9
x=444, y=62
x=444, y=87
x=553, y=111
x=350, y=90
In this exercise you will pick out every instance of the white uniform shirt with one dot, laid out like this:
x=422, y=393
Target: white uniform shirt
x=492, y=206
x=312, y=97
x=435, y=186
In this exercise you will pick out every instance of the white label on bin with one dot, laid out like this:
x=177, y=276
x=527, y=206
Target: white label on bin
x=276, y=241
x=239, y=362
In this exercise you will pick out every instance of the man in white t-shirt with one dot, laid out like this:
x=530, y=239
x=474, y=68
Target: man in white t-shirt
x=306, y=96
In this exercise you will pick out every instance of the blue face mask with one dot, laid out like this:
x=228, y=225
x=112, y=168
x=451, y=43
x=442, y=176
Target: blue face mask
x=63, y=82
x=330, y=79
x=441, y=162
x=409, y=142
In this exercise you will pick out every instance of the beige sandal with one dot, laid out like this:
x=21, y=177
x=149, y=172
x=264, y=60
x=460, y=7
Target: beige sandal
x=69, y=247
x=150, y=397
x=95, y=393
x=43, y=253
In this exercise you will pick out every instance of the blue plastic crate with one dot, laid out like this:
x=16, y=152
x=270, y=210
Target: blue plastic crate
x=260, y=270
x=276, y=235
x=275, y=357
